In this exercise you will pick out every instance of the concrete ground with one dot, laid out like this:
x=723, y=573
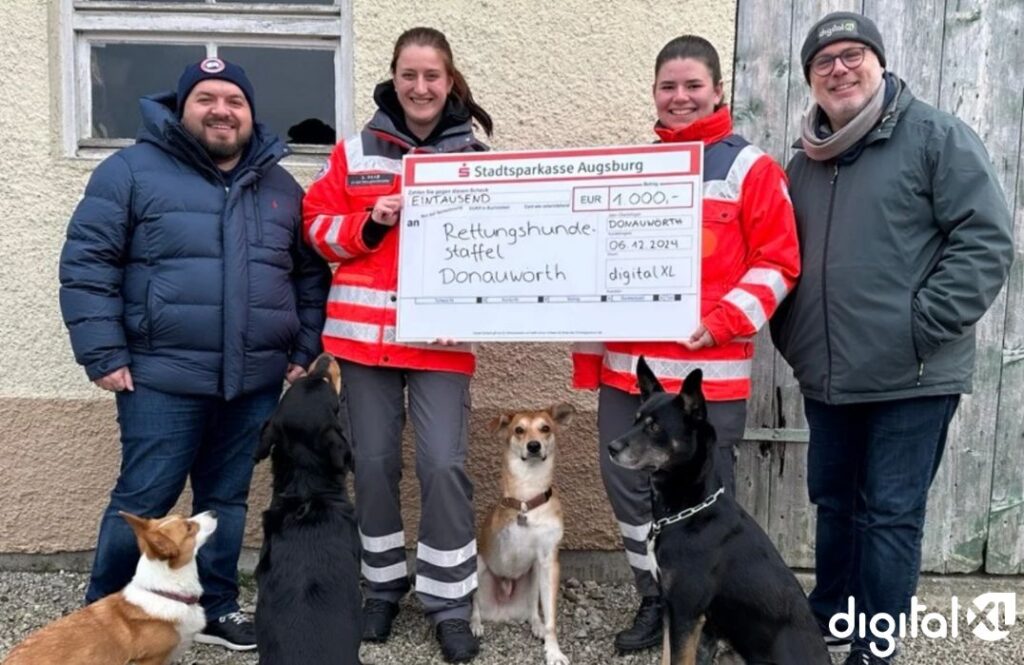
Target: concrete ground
x=589, y=615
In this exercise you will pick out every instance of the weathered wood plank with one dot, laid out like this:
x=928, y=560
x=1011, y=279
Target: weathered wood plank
x=791, y=521
x=1005, y=551
x=753, y=479
x=981, y=83
x=912, y=34
x=760, y=99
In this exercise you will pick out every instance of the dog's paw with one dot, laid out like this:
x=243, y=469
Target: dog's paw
x=537, y=627
x=554, y=656
x=476, y=626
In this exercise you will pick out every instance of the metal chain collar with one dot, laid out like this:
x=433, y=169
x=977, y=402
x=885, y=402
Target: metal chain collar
x=657, y=526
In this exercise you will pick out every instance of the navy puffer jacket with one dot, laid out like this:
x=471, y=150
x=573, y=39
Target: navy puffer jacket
x=197, y=287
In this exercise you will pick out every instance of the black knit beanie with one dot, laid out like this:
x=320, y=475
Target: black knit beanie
x=837, y=27
x=214, y=68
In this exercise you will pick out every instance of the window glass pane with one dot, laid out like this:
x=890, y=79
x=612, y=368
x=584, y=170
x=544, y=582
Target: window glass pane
x=122, y=73
x=294, y=90
x=276, y=2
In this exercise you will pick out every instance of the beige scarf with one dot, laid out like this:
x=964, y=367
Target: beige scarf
x=835, y=144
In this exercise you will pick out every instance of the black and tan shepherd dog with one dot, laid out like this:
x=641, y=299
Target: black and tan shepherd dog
x=308, y=606
x=717, y=569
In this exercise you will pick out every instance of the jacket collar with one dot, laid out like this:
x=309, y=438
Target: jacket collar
x=710, y=129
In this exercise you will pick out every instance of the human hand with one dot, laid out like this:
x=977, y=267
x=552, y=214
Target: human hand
x=294, y=373
x=117, y=381
x=445, y=341
x=386, y=210
x=699, y=339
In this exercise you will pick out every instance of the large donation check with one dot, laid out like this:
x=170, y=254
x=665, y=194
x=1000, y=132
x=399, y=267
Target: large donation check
x=553, y=245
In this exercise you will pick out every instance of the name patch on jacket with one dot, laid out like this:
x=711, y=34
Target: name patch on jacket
x=371, y=179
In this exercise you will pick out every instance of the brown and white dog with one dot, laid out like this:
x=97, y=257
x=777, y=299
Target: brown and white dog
x=151, y=621
x=517, y=564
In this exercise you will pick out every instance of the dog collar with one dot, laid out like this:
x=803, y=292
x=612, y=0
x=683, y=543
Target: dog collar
x=181, y=598
x=657, y=526
x=526, y=506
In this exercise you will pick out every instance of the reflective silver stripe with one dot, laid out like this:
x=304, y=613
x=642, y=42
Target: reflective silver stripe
x=331, y=237
x=450, y=590
x=769, y=277
x=390, y=337
x=750, y=305
x=360, y=295
x=589, y=348
x=314, y=228
x=729, y=189
x=360, y=332
x=386, y=574
x=446, y=558
x=357, y=160
x=635, y=531
x=678, y=369
x=639, y=561
x=378, y=544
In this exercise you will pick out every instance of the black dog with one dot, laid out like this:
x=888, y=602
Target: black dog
x=308, y=607
x=714, y=563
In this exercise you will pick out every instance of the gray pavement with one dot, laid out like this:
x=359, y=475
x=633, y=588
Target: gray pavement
x=589, y=615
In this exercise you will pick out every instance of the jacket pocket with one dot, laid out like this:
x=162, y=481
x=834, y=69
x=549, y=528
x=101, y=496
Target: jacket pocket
x=146, y=325
x=251, y=208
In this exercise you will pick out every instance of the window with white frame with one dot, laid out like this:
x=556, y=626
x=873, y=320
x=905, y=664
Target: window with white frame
x=297, y=53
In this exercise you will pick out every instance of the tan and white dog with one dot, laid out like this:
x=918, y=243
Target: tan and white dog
x=517, y=564
x=152, y=621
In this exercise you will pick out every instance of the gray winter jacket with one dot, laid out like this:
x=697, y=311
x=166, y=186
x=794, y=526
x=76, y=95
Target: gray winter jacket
x=903, y=250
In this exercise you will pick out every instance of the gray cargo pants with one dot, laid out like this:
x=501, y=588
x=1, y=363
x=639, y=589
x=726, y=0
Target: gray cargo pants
x=374, y=402
x=629, y=491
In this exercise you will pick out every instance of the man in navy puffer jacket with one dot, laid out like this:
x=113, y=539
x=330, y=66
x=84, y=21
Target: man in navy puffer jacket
x=187, y=290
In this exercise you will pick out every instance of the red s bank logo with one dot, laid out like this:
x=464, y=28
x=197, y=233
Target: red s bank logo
x=464, y=171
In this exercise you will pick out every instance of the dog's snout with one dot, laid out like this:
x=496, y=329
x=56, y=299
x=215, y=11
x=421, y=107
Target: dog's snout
x=212, y=514
x=615, y=446
x=533, y=447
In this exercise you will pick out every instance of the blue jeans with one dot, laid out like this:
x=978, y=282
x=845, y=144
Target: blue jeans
x=869, y=467
x=166, y=439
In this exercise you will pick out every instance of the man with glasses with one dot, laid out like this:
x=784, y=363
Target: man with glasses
x=906, y=240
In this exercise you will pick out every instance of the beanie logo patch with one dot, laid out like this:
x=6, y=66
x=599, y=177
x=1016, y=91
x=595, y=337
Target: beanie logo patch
x=827, y=31
x=212, y=65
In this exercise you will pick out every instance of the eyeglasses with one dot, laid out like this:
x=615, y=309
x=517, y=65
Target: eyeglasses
x=852, y=59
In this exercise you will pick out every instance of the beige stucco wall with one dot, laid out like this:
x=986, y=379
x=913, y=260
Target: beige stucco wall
x=568, y=73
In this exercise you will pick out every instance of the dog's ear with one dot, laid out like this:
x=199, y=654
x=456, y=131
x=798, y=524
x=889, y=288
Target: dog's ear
x=498, y=422
x=562, y=413
x=154, y=541
x=646, y=379
x=161, y=545
x=138, y=524
x=270, y=436
x=693, y=396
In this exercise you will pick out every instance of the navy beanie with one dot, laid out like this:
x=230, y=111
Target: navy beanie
x=837, y=27
x=214, y=68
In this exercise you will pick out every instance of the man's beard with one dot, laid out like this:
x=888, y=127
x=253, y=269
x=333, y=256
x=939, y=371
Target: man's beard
x=221, y=151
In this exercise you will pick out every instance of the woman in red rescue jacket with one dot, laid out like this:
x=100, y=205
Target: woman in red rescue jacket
x=350, y=215
x=750, y=261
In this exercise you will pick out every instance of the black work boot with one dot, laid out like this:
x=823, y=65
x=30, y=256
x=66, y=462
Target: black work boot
x=646, y=629
x=458, y=644
x=378, y=615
